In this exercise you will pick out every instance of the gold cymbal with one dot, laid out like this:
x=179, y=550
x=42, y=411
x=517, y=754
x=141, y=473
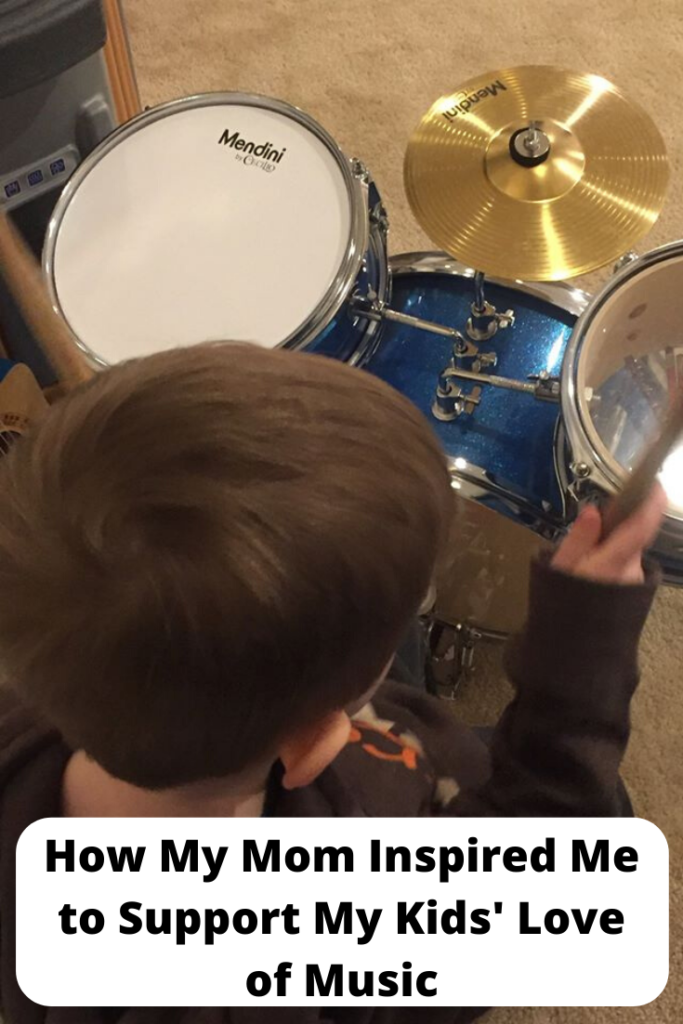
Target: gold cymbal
x=573, y=196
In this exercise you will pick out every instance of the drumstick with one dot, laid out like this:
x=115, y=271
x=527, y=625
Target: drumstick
x=640, y=482
x=22, y=274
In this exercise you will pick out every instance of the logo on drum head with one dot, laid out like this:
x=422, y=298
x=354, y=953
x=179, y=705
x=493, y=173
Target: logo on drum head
x=263, y=155
x=468, y=101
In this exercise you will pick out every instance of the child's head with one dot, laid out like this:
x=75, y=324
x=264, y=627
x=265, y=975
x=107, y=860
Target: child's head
x=207, y=549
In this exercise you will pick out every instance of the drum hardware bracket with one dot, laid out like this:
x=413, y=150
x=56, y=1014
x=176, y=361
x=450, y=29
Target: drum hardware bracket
x=451, y=655
x=371, y=307
x=486, y=359
x=380, y=217
x=623, y=261
x=378, y=214
x=451, y=401
x=580, y=487
x=580, y=490
x=486, y=320
x=360, y=171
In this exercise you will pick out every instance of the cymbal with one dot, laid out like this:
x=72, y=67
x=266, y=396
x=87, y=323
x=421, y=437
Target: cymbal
x=536, y=173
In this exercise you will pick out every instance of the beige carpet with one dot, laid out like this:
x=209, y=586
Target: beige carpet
x=367, y=71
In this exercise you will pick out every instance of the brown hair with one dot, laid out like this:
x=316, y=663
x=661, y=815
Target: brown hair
x=201, y=549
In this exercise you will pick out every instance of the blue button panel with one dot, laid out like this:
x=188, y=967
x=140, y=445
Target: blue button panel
x=23, y=183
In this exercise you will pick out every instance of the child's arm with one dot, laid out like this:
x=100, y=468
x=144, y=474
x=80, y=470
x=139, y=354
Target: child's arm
x=558, y=746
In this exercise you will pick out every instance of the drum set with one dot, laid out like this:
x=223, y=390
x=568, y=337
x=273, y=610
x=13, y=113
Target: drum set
x=232, y=216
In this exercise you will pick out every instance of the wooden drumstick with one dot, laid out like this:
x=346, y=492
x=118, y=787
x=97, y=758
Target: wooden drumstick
x=22, y=274
x=639, y=484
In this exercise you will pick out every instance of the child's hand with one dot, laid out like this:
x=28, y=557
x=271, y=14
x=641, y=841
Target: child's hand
x=619, y=559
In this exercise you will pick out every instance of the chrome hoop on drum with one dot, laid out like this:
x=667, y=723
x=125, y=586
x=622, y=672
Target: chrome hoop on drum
x=218, y=217
x=623, y=368
x=507, y=500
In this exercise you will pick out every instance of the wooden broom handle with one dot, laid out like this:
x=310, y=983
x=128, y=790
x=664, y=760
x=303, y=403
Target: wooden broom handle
x=19, y=268
x=119, y=64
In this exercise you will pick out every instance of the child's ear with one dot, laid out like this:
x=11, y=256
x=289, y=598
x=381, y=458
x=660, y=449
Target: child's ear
x=306, y=754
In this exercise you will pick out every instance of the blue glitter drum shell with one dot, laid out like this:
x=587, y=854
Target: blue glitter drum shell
x=510, y=437
x=351, y=337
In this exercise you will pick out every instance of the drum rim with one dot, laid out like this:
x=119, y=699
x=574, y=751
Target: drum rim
x=377, y=246
x=357, y=242
x=557, y=293
x=584, y=441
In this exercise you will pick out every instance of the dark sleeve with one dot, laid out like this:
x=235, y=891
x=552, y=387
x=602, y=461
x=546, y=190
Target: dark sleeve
x=558, y=747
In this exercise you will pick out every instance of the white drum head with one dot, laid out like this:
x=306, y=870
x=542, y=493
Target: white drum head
x=208, y=219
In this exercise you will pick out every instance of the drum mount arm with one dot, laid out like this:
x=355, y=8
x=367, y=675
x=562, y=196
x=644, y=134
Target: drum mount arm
x=370, y=307
x=452, y=401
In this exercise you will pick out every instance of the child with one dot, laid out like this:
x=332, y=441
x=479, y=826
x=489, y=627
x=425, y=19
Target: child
x=207, y=557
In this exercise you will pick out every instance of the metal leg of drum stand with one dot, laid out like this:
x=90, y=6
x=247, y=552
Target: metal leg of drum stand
x=450, y=656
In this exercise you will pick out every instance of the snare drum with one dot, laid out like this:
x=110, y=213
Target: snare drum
x=218, y=217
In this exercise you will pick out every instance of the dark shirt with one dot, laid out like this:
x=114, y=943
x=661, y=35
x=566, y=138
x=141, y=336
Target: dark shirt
x=556, y=751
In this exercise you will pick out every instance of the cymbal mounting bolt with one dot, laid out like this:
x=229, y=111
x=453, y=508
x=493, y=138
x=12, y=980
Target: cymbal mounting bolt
x=530, y=146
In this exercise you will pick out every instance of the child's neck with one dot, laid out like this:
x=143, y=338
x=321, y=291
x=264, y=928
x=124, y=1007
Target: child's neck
x=88, y=791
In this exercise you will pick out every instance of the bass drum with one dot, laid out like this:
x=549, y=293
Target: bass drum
x=507, y=501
